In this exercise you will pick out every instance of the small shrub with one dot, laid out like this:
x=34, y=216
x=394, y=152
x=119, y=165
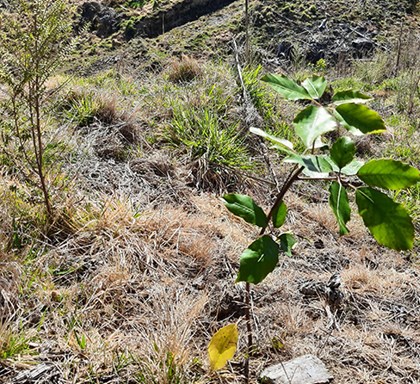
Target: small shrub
x=34, y=42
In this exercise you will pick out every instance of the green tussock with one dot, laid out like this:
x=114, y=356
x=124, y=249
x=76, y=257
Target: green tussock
x=202, y=135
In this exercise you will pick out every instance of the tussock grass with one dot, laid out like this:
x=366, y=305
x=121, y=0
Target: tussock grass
x=200, y=120
x=184, y=70
x=83, y=107
x=204, y=136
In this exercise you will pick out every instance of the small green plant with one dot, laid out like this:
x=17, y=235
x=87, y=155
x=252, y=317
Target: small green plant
x=320, y=65
x=34, y=41
x=79, y=108
x=334, y=162
x=201, y=133
x=141, y=3
x=13, y=343
x=257, y=92
x=136, y=3
x=81, y=340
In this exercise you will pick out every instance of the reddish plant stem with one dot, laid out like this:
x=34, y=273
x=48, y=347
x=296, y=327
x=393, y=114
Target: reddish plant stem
x=248, y=329
x=293, y=176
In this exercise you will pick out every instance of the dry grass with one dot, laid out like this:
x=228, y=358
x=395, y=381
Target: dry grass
x=184, y=70
x=138, y=294
x=142, y=273
x=144, y=277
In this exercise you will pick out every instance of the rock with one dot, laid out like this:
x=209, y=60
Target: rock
x=307, y=369
x=362, y=46
x=103, y=20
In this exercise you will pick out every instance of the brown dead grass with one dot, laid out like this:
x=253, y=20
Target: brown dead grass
x=147, y=281
x=146, y=290
x=184, y=69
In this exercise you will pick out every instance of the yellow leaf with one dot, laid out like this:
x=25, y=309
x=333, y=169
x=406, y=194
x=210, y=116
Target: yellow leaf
x=222, y=346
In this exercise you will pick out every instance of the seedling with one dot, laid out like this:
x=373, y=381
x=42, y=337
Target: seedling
x=387, y=220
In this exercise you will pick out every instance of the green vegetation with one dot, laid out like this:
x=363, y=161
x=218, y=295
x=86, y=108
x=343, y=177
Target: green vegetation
x=133, y=272
x=141, y=3
x=34, y=42
x=202, y=136
x=388, y=221
x=13, y=343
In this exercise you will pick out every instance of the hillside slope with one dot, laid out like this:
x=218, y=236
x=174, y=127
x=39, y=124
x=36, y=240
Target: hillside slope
x=147, y=130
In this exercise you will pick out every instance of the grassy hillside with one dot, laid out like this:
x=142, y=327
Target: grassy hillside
x=134, y=272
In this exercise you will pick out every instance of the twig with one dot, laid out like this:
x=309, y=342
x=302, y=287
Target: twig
x=251, y=110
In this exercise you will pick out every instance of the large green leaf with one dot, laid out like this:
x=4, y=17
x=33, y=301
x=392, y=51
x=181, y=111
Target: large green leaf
x=352, y=168
x=350, y=96
x=279, y=215
x=388, y=222
x=288, y=88
x=388, y=174
x=312, y=163
x=312, y=122
x=315, y=86
x=246, y=208
x=339, y=203
x=342, y=151
x=282, y=144
x=222, y=346
x=287, y=241
x=258, y=260
x=358, y=118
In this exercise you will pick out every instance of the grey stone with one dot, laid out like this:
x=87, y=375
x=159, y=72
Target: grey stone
x=363, y=46
x=104, y=20
x=307, y=369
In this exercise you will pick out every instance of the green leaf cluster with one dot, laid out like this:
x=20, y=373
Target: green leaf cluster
x=261, y=257
x=388, y=221
x=346, y=110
